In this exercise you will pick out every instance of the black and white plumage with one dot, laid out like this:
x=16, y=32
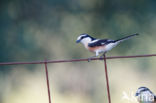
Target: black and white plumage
x=100, y=45
x=145, y=95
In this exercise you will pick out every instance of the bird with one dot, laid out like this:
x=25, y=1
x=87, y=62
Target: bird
x=99, y=46
x=145, y=95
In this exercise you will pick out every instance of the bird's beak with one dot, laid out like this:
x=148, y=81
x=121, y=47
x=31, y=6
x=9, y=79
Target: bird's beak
x=78, y=41
x=136, y=94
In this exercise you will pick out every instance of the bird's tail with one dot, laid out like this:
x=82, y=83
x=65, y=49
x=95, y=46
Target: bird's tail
x=126, y=38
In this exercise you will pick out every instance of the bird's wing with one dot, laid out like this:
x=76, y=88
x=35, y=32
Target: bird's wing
x=100, y=42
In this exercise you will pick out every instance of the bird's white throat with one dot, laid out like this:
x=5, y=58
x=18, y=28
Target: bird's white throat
x=85, y=41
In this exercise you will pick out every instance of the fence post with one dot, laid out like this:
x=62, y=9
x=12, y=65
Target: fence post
x=47, y=79
x=107, y=80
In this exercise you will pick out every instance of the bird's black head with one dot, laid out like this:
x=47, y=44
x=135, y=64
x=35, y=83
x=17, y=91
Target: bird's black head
x=84, y=36
x=142, y=89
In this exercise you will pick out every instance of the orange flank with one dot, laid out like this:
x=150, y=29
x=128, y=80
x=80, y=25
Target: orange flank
x=93, y=49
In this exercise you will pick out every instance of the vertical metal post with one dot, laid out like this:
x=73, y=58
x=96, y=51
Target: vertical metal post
x=107, y=80
x=47, y=78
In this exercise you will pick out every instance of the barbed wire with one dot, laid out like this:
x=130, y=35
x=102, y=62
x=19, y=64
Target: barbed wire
x=76, y=60
x=45, y=62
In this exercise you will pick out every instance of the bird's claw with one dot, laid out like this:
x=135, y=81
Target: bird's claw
x=89, y=59
x=101, y=57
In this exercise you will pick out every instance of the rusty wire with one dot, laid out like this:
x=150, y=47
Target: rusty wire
x=75, y=60
x=45, y=62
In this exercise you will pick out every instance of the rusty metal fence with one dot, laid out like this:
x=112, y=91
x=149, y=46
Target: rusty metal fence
x=45, y=62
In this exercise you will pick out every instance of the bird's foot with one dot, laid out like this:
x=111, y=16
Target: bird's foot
x=89, y=59
x=101, y=57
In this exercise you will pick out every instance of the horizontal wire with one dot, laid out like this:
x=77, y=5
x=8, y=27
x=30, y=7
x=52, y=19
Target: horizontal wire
x=75, y=60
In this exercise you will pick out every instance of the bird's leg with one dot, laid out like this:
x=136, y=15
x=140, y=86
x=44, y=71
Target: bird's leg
x=102, y=56
x=97, y=53
x=89, y=59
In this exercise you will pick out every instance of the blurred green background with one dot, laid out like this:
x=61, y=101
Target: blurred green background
x=34, y=30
